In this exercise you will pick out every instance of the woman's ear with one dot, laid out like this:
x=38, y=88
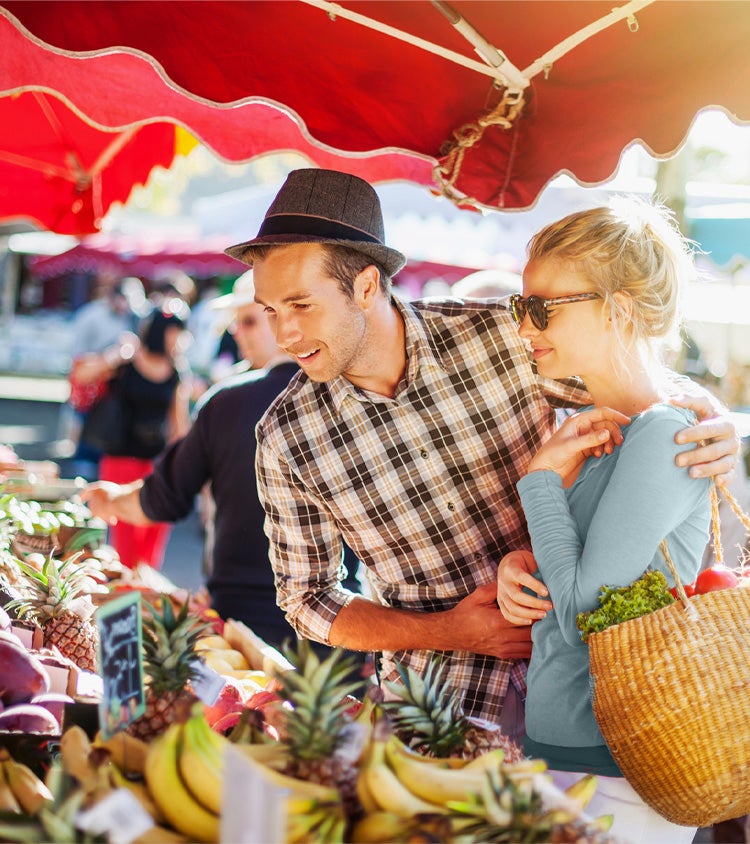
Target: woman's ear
x=622, y=309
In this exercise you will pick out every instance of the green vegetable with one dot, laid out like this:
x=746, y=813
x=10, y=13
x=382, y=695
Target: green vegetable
x=650, y=592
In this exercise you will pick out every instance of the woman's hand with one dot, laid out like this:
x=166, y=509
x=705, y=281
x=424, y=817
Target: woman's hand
x=585, y=434
x=514, y=572
x=718, y=441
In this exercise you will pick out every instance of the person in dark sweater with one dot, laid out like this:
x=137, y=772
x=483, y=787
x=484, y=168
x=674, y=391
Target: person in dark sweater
x=220, y=449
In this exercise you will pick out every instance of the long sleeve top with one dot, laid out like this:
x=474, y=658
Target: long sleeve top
x=604, y=529
x=421, y=485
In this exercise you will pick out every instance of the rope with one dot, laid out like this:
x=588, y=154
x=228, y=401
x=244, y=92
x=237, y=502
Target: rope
x=716, y=527
x=502, y=116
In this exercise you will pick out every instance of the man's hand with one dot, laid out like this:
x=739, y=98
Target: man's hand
x=718, y=440
x=518, y=607
x=115, y=502
x=480, y=627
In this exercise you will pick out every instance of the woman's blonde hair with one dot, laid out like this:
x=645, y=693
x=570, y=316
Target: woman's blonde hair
x=632, y=247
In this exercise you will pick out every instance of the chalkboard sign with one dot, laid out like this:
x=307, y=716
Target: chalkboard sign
x=120, y=662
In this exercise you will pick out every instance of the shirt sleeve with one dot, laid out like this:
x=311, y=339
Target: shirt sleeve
x=645, y=499
x=306, y=549
x=168, y=493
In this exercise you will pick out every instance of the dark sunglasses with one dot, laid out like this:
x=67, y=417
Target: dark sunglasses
x=537, y=308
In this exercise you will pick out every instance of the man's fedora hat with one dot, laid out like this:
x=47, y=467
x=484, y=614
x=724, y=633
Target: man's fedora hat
x=324, y=206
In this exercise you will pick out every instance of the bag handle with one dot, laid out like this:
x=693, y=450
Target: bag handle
x=715, y=537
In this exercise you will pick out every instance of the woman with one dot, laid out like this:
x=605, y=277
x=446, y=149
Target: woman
x=600, y=294
x=153, y=398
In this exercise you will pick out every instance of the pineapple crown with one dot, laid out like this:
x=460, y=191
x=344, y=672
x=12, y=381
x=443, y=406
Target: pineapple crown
x=169, y=645
x=427, y=709
x=49, y=592
x=317, y=692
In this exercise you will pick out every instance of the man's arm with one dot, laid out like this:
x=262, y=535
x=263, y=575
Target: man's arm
x=475, y=624
x=116, y=502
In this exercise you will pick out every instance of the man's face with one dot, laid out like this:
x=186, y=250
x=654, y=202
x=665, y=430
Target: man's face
x=312, y=319
x=253, y=335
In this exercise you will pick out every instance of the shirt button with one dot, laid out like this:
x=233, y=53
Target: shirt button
x=477, y=556
x=423, y=453
x=451, y=507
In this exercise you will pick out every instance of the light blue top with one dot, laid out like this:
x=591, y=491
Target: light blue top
x=605, y=529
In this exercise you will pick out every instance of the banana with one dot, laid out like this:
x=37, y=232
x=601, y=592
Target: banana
x=75, y=749
x=201, y=762
x=368, y=802
x=30, y=792
x=8, y=802
x=380, y=828
x=160, y=835
x=432, y=783
x=171, y=795
x=555, y=800
x=389, y=792
x=128, y=752
x=274, y=755
x=298, y=788
x=582, y=790
x=490, y=759
x=139, y=790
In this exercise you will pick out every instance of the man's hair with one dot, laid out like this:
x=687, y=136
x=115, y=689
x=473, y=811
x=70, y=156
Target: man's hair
x=341, y=262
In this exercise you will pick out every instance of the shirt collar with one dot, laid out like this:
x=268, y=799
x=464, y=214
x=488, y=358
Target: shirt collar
x=420, y=351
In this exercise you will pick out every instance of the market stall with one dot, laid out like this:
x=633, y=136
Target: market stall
x=131, y=712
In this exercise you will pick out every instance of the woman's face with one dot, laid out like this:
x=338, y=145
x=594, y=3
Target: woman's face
x=578, y=339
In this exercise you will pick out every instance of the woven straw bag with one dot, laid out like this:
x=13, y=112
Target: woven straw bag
x=671, y=695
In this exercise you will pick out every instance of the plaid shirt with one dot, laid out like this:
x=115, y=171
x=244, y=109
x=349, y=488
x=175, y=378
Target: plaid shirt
x=421, y=486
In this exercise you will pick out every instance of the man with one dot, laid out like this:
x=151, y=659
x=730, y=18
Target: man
x=404, y=437
x=220, y=448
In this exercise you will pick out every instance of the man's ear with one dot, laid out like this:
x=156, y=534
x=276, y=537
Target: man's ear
x=367, y=286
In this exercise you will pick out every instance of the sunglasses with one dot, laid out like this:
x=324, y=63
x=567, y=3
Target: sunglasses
x=538, y=308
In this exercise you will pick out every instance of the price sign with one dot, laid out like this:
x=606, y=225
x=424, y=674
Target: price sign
x=260, y=816
x=120, y=661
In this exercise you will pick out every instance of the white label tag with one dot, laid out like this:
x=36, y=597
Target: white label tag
x=119, y=816
x=207, y=683
x=253, y=810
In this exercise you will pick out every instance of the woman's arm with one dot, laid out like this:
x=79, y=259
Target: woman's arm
x=644, y=500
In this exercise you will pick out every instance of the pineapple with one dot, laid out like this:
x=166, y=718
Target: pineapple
x=428, y=717
x=54, y=597
x=323, y=743
x=168, y=655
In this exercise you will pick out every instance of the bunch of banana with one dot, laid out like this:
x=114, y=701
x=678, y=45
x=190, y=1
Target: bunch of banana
x=314, y=812
x=186, y=810
x=21, y=790
x=46, y=811
x=484, y=796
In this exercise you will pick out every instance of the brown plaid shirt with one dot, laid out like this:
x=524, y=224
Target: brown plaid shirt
x=421, y=486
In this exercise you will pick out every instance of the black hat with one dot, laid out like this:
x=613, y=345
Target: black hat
x=324, y=206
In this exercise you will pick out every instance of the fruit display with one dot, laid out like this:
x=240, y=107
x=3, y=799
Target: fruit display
x=344, y=765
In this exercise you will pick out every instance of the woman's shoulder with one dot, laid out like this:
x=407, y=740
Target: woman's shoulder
x=664, y=413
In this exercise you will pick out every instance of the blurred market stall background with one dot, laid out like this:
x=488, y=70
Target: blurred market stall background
x=184, y=217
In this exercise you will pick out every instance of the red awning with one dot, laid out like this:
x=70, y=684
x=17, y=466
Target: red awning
x=253, y=77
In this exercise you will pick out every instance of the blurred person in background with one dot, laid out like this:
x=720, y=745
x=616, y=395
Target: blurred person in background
x=220, y=449
x=107, y=321
x=153, y=390
x=487, y=284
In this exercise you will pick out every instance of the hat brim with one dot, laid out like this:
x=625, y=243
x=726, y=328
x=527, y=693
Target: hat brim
x=231, y=300
x=391, y=260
